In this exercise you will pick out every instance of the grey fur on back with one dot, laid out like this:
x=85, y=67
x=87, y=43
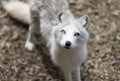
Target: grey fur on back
x=44, y=14
x=50, y=7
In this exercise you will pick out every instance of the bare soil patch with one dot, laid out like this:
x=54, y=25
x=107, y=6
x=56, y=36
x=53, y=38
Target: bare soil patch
x=102, y=64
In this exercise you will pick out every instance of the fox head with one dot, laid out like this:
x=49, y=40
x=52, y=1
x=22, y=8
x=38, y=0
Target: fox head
x=71, y=32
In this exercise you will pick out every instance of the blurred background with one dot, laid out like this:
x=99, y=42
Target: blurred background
x=102, y=64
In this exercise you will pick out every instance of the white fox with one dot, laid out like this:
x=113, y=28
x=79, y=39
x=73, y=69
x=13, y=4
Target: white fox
x=65, y=35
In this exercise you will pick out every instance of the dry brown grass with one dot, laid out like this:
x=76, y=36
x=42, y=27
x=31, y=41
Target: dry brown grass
x=103, y=63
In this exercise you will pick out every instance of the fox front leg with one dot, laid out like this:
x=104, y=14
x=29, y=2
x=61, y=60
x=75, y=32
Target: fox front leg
x=77, y=74
x=67, y=75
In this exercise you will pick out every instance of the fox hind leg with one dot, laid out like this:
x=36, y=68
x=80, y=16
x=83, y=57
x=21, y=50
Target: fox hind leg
x=34, y=27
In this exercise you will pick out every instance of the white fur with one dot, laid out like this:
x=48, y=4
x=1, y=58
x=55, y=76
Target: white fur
x=18, y=10
x=69, y=60
x=29, y=45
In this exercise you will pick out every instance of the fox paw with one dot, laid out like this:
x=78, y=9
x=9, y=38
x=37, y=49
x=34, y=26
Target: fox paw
x=29, y=46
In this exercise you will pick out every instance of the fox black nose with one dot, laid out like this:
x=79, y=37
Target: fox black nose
x=68, y=43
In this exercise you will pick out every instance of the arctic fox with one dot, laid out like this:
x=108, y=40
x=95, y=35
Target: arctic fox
x=65, y=35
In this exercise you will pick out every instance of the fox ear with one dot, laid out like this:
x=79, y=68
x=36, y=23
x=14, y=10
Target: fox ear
x=64, y=16
x=84, y=21
x=60, y=16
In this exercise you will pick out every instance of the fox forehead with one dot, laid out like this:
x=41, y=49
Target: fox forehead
x=71, y=28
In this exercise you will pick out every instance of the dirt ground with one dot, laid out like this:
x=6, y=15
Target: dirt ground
x=102, y=64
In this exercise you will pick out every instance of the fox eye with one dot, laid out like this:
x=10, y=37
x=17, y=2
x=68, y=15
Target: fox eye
x=63, y=32
x=77, y=34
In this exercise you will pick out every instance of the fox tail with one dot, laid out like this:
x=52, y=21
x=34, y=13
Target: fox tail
x=17, y=10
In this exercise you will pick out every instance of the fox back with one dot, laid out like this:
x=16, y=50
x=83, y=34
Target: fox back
x=48, y=12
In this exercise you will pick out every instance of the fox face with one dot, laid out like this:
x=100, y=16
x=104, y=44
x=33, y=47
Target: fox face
x=73, y=33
